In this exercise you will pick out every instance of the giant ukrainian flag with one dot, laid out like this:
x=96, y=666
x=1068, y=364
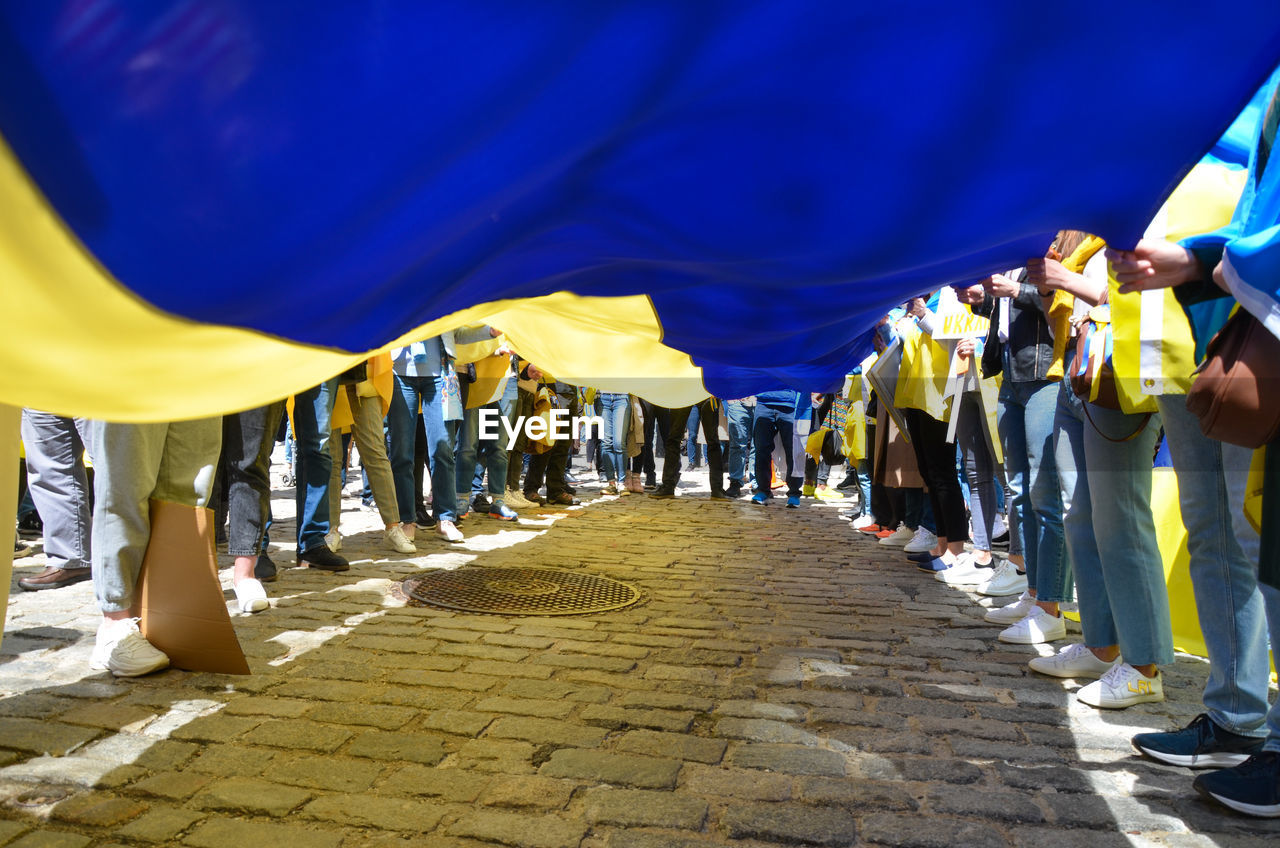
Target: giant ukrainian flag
x=207, y=204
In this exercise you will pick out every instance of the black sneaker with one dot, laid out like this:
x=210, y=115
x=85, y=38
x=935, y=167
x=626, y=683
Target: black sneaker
x=1201, y=744
x=1252, y=788
x=320, y=557
x=30, y=526
x=650, y=483
x=264, y=569
x=849, y=482
x=664, y=491
x=1001, y=541
x=481, y=504
x=734, y=490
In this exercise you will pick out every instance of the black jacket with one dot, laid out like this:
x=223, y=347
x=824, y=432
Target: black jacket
x=1029, y=352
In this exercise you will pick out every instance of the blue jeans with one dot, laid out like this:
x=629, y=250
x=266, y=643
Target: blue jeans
x=1110, y=532
x=410, y=395
x=312, y=411
x=616, y=411
x=772, y=422
x=1234, y=608
x=695, y=452
x=1025, y=420
x=739, y=417
x=475, y=456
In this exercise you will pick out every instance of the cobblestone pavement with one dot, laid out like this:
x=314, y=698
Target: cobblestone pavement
x=783, y=682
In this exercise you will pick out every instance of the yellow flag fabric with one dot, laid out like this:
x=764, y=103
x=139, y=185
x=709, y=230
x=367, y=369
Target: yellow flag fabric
x=923, y=376
x=225, y=369
x=1154, y=349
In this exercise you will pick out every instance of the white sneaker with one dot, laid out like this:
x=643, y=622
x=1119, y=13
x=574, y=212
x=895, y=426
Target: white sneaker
x=334, y=540
x=1122, y=686
x=863, y=520
x=965, y=572
x=1075, y=660
x=1011, y=613
x=1004, y=580
x=898, y=537
x=1035, y=628
x=516, y=499
x=122, y=649
x=449, y=531
x=398, y=541
x=251, y=597
x=922, y=541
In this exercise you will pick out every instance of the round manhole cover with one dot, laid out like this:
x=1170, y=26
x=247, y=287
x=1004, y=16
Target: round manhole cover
x=521, y=591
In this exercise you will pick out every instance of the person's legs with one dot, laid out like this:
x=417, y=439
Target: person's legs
x=402, y=427
x=368, y=434
x=246, y=445
x=312, y=411
x=710, y=418
x=738, y=418
x=979, y=469
x=1119, y=483
x=763, y=431
x=794, y=475
x=1053, y=570
x=1223, y=568
x=59, y=488
x=615, y=409
x=126, y=462
x=1096, y=620
x=676, y=421
x=441, y=437
x=1011, y=422
x=465, y=453
x=691, y=437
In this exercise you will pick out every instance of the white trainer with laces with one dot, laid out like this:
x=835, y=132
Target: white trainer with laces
x=1122, y=686
x=898, y=537
x=1011, y=613
x=922, y=540
x=864, y=520
x=398, y=541
x=1036, y=628
x=965, y=572
x=122, y=649
x=1004, y=580
x=1075, y=660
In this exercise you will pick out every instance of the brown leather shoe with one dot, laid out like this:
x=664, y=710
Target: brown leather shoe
x=54, y=578
x=563, y=498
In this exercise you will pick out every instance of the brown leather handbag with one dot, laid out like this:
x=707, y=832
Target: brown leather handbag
x=1236, y=393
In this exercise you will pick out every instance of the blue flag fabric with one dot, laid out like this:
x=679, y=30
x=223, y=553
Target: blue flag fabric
x=773, y=175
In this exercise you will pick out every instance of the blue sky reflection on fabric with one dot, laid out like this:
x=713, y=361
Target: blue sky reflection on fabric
x=773, y=175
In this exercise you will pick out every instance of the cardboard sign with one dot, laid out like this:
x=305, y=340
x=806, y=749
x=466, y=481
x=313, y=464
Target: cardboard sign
x=179, y=597
x=960, y=325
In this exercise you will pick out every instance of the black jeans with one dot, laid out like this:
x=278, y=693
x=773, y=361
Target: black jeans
x=654, y=418
x=709, y=417
x=247, y=440
x=937, y=460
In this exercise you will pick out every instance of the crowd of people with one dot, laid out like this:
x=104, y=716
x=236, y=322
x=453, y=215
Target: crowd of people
x=1019, y=430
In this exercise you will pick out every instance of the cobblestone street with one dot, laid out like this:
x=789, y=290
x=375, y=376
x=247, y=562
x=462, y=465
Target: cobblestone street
x=784, y=681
